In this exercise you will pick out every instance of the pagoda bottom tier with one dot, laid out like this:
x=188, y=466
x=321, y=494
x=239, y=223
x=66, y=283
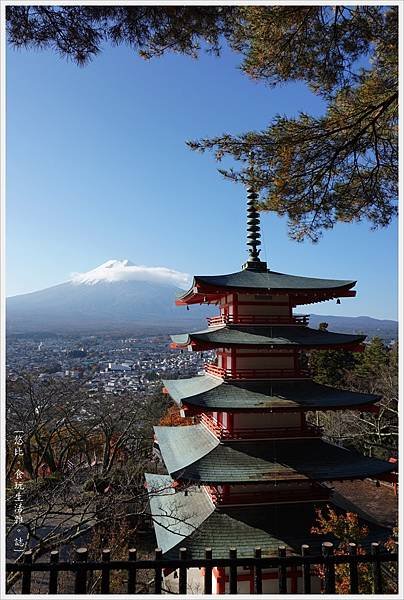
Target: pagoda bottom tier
x=190, y=519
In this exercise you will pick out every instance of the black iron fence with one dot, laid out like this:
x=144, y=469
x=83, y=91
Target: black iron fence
x=328, y=560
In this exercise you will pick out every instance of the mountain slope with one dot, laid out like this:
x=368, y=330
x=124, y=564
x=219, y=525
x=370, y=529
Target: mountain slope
x=116, y=295
x=383, y=328
x=122, y=297
x=105, y=306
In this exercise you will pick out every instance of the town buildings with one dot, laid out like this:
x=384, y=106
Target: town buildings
x=107, y=364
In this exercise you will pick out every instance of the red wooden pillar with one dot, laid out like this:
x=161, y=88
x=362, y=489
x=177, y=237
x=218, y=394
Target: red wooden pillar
x=295, y=362
x=230, y=422
x=293, y=579
x=252, y=589
x=235, y=308
x=225, y=493
x=233, y=362
x=221, y=580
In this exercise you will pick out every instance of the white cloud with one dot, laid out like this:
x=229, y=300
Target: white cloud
x=124, y=270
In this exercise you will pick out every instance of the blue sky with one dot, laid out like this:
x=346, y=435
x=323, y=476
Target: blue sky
x=97, y=168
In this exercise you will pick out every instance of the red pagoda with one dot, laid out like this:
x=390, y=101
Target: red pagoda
x=251, y=469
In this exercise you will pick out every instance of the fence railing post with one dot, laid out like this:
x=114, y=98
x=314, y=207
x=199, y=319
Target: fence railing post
x=158, y=555
x=132, y=571
x=53, y=573
x=329, y=568
x=306, y=569
x=208, y=572
x=182, y=584
x=377, y=582
x=353, y=568
x=105, y=576
x=258, y=572
x=233, y=571
x=286, y=565
x=282, y=570
x=80, y=586
x=26, y=575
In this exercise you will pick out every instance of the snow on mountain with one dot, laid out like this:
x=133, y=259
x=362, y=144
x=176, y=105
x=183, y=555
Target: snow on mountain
x=124, y=270
x=121, y=296
x=117, y=295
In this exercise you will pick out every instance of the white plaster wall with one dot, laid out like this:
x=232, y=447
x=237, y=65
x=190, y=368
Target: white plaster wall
x=228, y=362
x=195, y=582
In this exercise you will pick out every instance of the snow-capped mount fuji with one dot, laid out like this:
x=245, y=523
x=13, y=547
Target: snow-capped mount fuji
x=115, y=296
x=124, y=270
x=119, y=296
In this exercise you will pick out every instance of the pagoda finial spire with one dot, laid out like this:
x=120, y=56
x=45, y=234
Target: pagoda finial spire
x=253, y=225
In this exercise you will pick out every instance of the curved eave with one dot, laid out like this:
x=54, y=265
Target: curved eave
x=266, y=336
x=189, y=519
x=305, y=290
x=192, y=456
x=212, y=394
x=192, y=475
x=175, y=515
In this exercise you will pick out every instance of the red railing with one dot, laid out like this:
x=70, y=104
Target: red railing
x=258, y=320
x=216, y=371
x=308, y=431
x=214, y=427
x=272, y=496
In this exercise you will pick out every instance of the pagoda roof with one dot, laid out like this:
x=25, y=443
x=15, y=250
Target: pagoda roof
x=211, y=393
x=193, y=453
x=266, y=335
x=268, y=281
x=192, y=521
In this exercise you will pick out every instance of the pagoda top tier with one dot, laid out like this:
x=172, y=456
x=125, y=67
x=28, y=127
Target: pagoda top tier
x=256, y=278
x=303, y=290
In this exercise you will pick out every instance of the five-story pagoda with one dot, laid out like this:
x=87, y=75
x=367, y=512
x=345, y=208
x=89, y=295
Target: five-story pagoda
x=251, y=470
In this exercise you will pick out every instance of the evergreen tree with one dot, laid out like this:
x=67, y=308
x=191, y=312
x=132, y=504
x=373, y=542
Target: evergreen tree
x=374, y=371
x=341, y=166
x=369, y=364
x=329, y=367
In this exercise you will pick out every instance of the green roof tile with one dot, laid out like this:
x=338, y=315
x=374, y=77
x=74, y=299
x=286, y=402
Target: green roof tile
x=261, y=335
x=191, y=453
x=175, y=515
x=185, y=447
x=270, y=280
x=211, y=393
x=192, y=522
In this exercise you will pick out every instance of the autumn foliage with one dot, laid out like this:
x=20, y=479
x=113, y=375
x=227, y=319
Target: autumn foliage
x=346, y=528
x=173, y=418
